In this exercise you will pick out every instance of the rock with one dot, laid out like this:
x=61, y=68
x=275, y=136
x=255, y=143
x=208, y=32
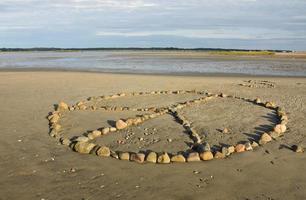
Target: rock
x=298, y=149
x=124, y=156
x=240, y=148
x=163, y=158
x=178, y=158
x=94, y=134
x=62, y=106
x=225, y=151
x=225, y=131
x=151, y=157
x=254, y=144
x=169, y=140
x=65, y=141
x=113, y=154
x=120, y=124
x=82, y=107
x=270, y=105
x=258, y=101
x=112, y=129
x=82, y=139
x=280, y=128
x=219, y=155
x=137, y=157
x=103, y=151
x=274, y=134
x=264, y=139
x=231, y=149
x=56, y=127
x=207, y=155
x=206, y=147
x=83, y=147
x=193, y=156
x=55, y=118
x=223, y=95
x=248, y=146
x=105, y=131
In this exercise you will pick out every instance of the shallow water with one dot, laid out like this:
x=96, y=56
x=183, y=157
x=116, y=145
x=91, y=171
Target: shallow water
x=142, y=62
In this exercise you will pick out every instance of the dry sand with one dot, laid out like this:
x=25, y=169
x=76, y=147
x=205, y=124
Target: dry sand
x=34, y=166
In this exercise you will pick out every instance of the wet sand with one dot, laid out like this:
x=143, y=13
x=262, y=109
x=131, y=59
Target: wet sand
x=35, y=166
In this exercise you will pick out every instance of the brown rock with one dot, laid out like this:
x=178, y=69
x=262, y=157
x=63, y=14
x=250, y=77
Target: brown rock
x=84, y=147
x=207, y=155
x=81, y=139
x=240, y=148
x=194, y=156
x=105, y=131
x=274, y=134
x=178, y=158
x=225, y=131
x=254, y=144
x=65, y=141
x=265, y=138
x=163, y=158
x=62, y=106
x=56, y=127
x=137, y=157
x=248, y=146
x=55, y=118
x=231, y=149
x=151, y=157
x=103, y=151
x=219, y=155
x=94, y=134
x=280, y=128
x=270, y=105
x=124, y=156
x=112, y=129
x=120, y=124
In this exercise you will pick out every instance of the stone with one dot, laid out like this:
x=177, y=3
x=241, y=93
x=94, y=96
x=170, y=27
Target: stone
x=82, y=139
x=207, y=155
x=248, y=146
x=151, y=157
x=254, y=144
x=219, y=155
x=298, y=149
x=62, y=106
x=193, y=156
x=225, y=131
x=163, y=158
x=94, y=134
x=270, y=105
x=120, y=124
x=55, y=118
x=103, y=151
x=265, y=138
x=82, y=107
x=178, y=158
x=231, y=149
x=137, y=157
x=225, y=151
x=65, y=141
x=112, y=129
x=280, y=128
x=113, y=154
x=84, y=147
x=240, y=148
x=56, y=127
x=206, y=147
x=258, y=101
x=124, y=156
x=105, y=131
x=274, y=134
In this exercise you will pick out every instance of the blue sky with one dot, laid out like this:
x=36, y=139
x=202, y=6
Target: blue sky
x=252, y=24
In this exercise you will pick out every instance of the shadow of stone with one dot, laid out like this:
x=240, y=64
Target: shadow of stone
x=111, y=123
x=284, y=146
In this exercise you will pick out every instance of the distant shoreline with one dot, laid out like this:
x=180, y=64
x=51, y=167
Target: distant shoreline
x=141, y=49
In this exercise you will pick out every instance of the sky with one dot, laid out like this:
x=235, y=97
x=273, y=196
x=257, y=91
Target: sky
x=245, y=24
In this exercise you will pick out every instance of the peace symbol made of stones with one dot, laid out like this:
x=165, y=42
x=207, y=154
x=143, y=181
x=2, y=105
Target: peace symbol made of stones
x=200, y=150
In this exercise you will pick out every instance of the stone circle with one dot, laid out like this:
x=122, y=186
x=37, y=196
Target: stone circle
x=201, y=150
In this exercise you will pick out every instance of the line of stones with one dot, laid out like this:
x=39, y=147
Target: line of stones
x=199, y=151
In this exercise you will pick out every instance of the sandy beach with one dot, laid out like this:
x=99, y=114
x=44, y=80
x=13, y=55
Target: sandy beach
x=36, y=166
